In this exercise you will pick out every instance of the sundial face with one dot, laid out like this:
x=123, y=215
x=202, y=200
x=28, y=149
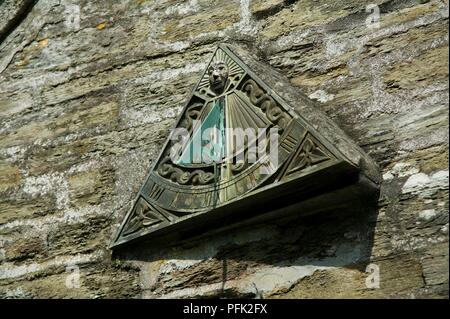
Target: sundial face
x=223, y=112
x=234, y=138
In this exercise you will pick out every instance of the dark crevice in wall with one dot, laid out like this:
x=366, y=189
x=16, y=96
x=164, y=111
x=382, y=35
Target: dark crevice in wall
x=394, y=5
x=386, y=7
x=273, y=10
x=21, y=14
x=358, y=18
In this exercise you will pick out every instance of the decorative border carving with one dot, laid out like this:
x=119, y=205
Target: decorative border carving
x=266, y=103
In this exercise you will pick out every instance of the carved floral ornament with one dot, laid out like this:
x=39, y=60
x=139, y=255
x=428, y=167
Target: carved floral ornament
x=238, y=147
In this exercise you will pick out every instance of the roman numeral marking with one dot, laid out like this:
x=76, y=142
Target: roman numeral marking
x=289, y=143
x=156, y=192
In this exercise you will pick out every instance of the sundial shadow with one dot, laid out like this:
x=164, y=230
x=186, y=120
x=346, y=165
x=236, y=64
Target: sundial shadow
x=338, y=237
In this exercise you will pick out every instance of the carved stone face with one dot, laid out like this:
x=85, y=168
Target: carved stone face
x=218, y=76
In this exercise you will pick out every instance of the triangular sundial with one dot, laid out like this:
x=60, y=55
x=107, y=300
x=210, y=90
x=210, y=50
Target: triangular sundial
x=247, y=146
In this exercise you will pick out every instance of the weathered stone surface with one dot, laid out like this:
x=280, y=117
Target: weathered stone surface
x=12, y=13
x=85, y=109
x=109, y=282
x=400, y=279
x=10, y=176
x=90, y=187
x=24, y=207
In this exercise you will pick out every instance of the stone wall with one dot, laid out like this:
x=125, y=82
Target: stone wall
x=90, y=89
